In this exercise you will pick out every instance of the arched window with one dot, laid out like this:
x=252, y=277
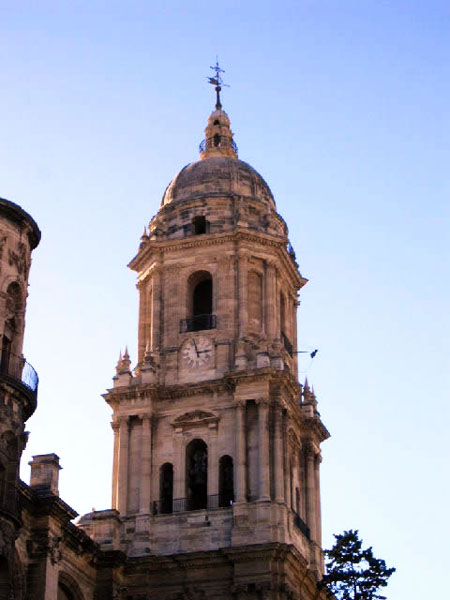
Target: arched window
x=216, y=139
x=166, y=488
x=226, y=483
x=202, y=298
x=196, y=474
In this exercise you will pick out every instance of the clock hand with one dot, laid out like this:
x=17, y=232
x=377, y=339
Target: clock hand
x=195, y=346
x=203, y=351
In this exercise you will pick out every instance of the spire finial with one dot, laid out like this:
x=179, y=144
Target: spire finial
x=217, y=81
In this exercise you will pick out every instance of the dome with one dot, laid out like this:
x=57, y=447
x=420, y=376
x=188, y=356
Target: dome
x=218, y=176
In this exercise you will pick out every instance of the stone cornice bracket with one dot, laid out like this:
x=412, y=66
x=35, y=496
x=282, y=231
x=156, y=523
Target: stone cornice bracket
x=310, y=449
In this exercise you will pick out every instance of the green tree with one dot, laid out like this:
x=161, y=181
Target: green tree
x=353, y=573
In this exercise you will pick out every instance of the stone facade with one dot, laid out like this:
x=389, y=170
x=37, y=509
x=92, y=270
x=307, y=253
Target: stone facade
x=215, y=490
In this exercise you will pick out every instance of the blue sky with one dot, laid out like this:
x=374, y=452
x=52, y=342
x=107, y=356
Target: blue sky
x=343, y=108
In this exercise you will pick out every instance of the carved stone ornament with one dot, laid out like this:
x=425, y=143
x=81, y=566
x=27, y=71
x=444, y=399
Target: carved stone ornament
x=3, y=240
x=54, y=550
x=195, y=417
x=293, y=439
x=19, y=259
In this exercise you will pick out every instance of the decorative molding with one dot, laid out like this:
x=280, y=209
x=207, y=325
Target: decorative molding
x=196, y=418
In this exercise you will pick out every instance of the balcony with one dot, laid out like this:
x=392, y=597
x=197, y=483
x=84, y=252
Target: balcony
x=16, y=371
x=169, y=506
x=223, y=142
x=198, y=323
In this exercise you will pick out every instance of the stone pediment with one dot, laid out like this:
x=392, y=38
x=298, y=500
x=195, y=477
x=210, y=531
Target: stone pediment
x=195, y=418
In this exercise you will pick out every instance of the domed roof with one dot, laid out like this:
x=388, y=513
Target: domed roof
x=218, y=176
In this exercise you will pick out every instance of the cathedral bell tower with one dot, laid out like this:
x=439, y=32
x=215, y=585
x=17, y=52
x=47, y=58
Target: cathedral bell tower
x=216, y=444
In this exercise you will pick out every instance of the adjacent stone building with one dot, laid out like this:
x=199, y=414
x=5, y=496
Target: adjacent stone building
x=215, y=488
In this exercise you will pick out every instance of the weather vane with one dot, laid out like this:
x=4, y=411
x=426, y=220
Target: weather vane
x=217, y=81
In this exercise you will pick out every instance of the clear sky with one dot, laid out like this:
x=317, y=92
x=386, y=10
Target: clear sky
x=342, y=106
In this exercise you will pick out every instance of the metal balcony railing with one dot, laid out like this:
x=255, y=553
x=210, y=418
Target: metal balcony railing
x=17, y=368
x=222, y=143
x=177, y=505
x=300, y=524
x=198, y=323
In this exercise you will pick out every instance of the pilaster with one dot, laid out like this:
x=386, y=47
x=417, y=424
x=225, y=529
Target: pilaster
x=122, y=486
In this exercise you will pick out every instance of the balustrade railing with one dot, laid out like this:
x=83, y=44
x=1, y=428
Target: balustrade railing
x=168, y=506
x=223, y=142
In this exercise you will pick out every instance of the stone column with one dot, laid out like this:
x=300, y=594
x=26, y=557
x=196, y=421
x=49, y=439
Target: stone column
x=122, y=482
x=311, y=490
x=156, y=311
x=263, y=445
x=115, y=427
x=270, y=301
x=240, y=476
x=287, y=465
x=317, y=462
x=146, y=463
x=278, y=455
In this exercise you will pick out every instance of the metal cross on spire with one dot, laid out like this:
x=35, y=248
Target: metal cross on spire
x=217, y=81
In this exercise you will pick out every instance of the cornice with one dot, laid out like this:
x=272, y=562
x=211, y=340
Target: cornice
x=315, y=428
x=227, y=383
x=214, y=239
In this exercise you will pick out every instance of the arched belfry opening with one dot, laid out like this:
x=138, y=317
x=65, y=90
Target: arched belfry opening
x=166, y=489
x=200, y=302
x=202, y=298
x=226, y=481
x=196, y=475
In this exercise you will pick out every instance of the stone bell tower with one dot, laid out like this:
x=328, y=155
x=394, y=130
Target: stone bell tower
x=19, y=235
x=216, y=444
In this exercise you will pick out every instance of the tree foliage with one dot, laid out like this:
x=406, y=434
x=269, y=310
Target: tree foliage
x=353, y=573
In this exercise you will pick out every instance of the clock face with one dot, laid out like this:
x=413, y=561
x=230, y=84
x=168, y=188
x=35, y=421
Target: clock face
x=197, y=352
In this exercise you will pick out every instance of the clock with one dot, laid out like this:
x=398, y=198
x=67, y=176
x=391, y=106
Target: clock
x=197, y=352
